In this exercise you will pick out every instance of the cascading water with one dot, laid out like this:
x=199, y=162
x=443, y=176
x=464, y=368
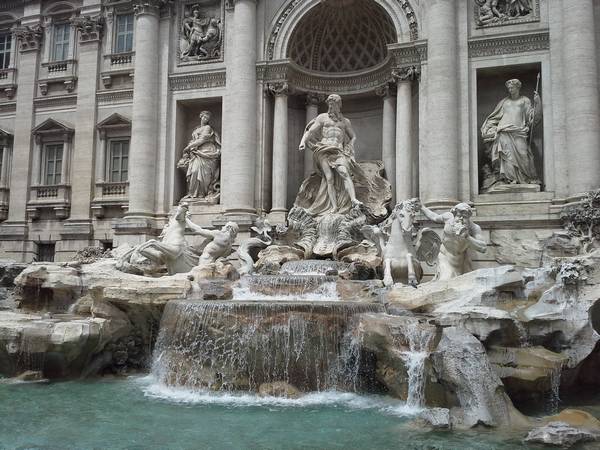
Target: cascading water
x=313, y=267
x=241, y=345
x=286, y=287
x=553, y=396
x=419, y=337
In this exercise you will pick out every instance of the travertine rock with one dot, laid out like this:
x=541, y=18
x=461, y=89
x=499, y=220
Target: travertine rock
x=560, y=434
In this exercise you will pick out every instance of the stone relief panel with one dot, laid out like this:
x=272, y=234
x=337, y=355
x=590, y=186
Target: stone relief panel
x=492, y=13
x=510, y=129
x=201, y=32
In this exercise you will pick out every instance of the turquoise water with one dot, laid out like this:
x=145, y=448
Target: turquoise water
x=134, y=413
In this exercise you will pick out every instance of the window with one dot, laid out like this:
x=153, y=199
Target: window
x=119, y=159
x=45, y=252
x=124, y=35
x=61, y=41
x=5, y=45
x=53, y=155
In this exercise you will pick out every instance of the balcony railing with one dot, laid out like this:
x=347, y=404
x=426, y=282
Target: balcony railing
x=56, y=197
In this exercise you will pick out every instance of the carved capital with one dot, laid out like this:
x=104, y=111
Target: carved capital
x=230, y=4
x=278, y=89
x=29, y=37
x=387, y=90
x=410, y=73
x=315, y=99
x=152, y=7
x=90, y=28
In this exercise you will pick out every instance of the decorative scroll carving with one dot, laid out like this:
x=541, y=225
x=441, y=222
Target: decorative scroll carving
x=507, y=45
x=90, y=28
x=29, y=37
x=150, y=6
x=410, y=73
x=493, y=13
x=277, y=89
x=201, y=32
x=386, y=90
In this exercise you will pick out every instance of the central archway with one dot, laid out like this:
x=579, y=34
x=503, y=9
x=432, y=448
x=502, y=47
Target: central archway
x=339, y=37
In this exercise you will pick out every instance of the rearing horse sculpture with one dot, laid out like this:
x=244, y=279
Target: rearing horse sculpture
x=401, y=255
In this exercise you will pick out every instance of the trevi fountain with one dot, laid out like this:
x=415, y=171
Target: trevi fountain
x=299, y=224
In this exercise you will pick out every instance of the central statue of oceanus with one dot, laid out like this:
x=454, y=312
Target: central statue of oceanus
x=339, y=183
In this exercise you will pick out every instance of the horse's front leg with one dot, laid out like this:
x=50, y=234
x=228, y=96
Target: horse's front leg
x=151, y=251
x=412, y=277
x=388, y=280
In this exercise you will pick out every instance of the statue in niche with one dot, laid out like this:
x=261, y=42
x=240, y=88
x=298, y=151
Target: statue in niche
x=507, y=132
x=331, y=139
x=502, y=11
x=459, y=235
x=201, y=36
x=201, y=160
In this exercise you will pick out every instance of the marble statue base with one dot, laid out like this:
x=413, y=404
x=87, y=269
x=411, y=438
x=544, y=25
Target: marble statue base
x=513, y=188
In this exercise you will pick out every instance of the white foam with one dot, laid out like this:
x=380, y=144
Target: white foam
x=385, y=405
x=327, y=292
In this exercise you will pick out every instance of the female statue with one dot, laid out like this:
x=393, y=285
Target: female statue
x=201, y=158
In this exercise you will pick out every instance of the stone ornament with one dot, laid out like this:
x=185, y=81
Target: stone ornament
x=505, y=12
x=253, y=245
x=201, y=160
x=405, y=248
x=150, y=6
x=29, y=37
x=90, y=28
x=582, y=221
x=201, y=35
x=331, y=188
x=508, y=132
x=460, y=234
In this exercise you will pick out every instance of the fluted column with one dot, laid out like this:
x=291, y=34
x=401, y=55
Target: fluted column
x=240, y=112
x=280, y=149
x=439, y=162
x=405, y=77
x=581, y=95
x=29, y=38
x=388, y=138
x=82, y=176
x=144, y=115
x=312, y=111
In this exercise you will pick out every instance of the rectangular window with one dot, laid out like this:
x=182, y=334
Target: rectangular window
x=53, y=156
x=5, y=45
x=61, y=41
x=119, y=160
x=124, y=35
x=45, y=252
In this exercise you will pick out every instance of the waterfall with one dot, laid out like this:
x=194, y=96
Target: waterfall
x=286, y=287
x=419, y=337
x=313, y=267
x=553, y=395
x=240, y=345
x=522, y=333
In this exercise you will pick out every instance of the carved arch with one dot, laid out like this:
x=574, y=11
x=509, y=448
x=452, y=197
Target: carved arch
x=60, y=8
x=401, y=13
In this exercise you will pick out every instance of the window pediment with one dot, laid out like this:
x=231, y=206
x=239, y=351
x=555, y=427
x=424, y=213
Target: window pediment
x=114, y=122
x=52, y=128
x=5, y=137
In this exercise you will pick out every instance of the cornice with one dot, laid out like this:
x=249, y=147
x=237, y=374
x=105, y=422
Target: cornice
x=202, y=80
x=506, y=45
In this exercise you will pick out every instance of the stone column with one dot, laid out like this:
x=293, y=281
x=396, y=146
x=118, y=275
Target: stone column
x=82, y=179
x=404, y=132
x=581, y=96
x=280, y=152
x=439, y=162
x=14, y=229
x=240, y=112
x=312, y=111
x=388, y=138
x=144, y=115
